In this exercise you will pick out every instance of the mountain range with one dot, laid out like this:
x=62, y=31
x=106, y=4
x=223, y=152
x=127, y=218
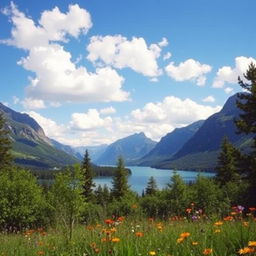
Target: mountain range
x=195, y=146
x=30, y=146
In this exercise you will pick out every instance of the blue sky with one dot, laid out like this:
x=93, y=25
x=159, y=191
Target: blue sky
x=93, y=71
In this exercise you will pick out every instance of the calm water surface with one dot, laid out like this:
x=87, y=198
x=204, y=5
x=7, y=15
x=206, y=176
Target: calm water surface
x=140, y=176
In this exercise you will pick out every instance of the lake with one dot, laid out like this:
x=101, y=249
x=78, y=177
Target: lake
x=140, y=176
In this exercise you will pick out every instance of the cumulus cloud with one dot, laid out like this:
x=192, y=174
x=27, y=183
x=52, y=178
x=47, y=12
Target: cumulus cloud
x=50, y=127
x=53, y=26
x=189, y=70
x=57, y=78
x=120, y=52
x=29, y=103
x=227, y=74
x=173, y=110
x=89, y=121
x=107, y=111
x=209, y=99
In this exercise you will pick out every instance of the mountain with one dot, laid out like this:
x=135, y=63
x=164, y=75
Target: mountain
x=202, y=149
x=170, y=144
x=130, y=148
x=94, y=151
x=30, y=146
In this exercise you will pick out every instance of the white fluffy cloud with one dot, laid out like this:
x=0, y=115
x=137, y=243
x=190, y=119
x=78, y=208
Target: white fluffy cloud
x=57, y=78
x=50, y=127
x=228, y=90
x=188, y=70
x=173, y=111
x=209, y=99
x=230, y=75
x=107, y=111
x=29, y=103
x=120, y=52
x=90, y=120
x=53, y=26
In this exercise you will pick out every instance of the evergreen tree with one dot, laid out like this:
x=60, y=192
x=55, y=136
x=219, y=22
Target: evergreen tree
x=177, y=194
x=5, y=145
x=151, y=188
x=87, y=172
x=120, y=181
x=227, y=168
x=247, y=123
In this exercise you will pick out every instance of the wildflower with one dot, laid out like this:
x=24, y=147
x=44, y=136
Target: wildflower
x=228, y=218
x=252, y=209
x=180, y=240
x=139, y=234
x=40, y=243
x=194, y=243
x=152, y=253
x=185, y=234
x=40, y=253
x=218, y=223
x=134, y=206
x=217, y=230
x=245, y=224
x=93, y=245
x=233, y=213
x=120, y=219
x=89, y=227
x=115, y=240
x=207, y=251
x=150, y=219
x=252, y=243
x=112, y=230
x=96, y=250
x=109, y=221
x=246, y=250
x=188, y=210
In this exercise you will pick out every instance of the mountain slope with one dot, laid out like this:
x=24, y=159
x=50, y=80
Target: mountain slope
x=201, y=151
x=30, y=146
x=170, y=144
x=130, y=148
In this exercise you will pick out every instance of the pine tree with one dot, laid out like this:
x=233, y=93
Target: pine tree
x=87, y=172
x=247, y=123
x=5, y=145
x=151, y=188
x=120, y=181
x=227, y=168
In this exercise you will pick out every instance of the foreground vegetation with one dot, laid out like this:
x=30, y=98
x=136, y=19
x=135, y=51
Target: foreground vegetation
x=230, y=236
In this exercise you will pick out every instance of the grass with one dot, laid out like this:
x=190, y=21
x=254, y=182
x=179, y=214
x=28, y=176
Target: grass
x=131, y=237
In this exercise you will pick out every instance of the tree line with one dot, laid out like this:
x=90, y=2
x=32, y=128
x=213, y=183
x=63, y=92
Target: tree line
x=73, y=196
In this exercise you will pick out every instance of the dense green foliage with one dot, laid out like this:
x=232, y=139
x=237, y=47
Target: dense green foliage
x=5, y=145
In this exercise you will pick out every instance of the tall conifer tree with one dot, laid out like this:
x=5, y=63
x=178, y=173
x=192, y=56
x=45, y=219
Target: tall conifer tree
x=87, y=172
x=247, y=123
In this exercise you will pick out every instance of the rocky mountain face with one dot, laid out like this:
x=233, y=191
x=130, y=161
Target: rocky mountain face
x=130, y=148
x=170, y=144
x=30, y=146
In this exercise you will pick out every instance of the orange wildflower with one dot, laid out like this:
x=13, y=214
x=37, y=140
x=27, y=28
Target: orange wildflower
x=180, y=240
x=228, y=218
x=185, y=234
x=194, y=243
x=109, y=221
x=246, y=224
x=218, y=223
x=96, y=250
x=188, y=210
x=252, y=209
x=40, y=253
x=115, y=240
x=207, y=251
x=246, y=250
x=139, y=234
x=252, y=243
x=120, y=219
